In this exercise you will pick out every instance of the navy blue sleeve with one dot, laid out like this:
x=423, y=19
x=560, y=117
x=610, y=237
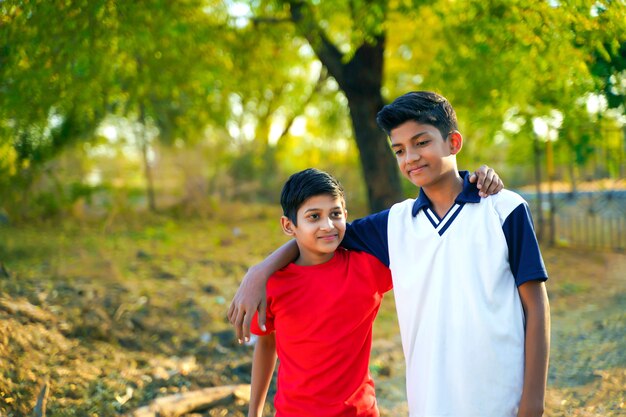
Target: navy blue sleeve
x=369, y=234
x=524, y=254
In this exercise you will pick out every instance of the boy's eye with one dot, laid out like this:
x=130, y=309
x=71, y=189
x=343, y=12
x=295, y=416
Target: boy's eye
x=399, y=152
x=337, y=214
x=314, y=216
x=422, y=143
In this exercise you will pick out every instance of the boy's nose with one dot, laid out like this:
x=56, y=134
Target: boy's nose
x=328, y=224
x=412, y=155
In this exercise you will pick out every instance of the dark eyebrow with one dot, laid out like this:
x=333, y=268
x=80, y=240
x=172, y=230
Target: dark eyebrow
x=319, y=209
x=416, y=136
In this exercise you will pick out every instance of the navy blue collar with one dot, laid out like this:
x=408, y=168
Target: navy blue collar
x=469, y=194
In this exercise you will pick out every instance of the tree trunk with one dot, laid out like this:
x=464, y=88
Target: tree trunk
x=380, y=170
x=360, y=78
x=143, y=145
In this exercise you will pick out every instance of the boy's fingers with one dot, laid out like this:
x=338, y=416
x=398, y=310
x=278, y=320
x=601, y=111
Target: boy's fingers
x=494, y=187
x=232, y=312
x=485, y=182
x=262, y=311
x=473, y=178
x=238, y=325
x=246, y=327
x=480, y=174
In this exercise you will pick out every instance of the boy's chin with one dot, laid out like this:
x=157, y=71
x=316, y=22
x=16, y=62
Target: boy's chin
x=331, y=249
x=416, y=182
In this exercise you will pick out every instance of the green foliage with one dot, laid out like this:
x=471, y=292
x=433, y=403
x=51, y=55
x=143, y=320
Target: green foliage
x=530, y=57
x=610, y=68
x=249, y=95
x=68, y=66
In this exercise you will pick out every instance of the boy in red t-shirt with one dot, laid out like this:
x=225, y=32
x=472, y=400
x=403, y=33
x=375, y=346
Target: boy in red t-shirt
x=320, y=311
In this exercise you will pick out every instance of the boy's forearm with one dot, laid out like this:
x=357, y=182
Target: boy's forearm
x=537, y=349
x=262, y=369
x=278, y=259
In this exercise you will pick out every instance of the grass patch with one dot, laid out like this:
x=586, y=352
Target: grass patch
x=116, y=314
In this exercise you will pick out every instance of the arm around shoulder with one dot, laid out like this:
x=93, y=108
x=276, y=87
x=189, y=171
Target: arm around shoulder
x=534, y=299
x=250, y=296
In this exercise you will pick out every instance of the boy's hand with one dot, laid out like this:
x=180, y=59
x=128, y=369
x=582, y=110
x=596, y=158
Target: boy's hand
x=249, y=298
x=487, y=181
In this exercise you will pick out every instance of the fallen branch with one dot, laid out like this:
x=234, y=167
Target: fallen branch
x=179, y=404
x=42, y=399
x=24, y=308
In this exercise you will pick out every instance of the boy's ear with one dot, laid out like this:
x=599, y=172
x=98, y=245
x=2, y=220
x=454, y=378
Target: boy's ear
x=287, y=225
x=455, y=140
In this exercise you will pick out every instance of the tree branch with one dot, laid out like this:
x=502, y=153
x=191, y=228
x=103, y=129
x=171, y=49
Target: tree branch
x=42, y=400
x=316, y=89
x=325, y=50
x=271, y=20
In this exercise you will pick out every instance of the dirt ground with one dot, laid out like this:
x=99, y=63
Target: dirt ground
x=112, y=316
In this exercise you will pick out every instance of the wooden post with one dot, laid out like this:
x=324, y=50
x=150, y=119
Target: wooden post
x=537, y=160
x=550, y=173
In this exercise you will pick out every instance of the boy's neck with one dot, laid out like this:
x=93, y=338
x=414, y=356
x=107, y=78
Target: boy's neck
x=443, y=193
x=309, y=259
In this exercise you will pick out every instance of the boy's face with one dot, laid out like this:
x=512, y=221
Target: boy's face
x=424, y=156
x=321, y=227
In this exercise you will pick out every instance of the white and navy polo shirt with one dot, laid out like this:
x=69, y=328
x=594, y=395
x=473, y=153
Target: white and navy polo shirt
x=455, y=283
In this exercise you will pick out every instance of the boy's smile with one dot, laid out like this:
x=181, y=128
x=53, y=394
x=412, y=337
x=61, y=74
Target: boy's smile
x=320, y=228
x=424, y=156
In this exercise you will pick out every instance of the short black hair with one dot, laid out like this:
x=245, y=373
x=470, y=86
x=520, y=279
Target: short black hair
x=424, y=107
x=303, y=185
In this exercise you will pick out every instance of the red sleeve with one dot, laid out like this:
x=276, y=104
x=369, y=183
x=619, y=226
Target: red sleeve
x=269, y=323
x=383, y=275
x=384, y=280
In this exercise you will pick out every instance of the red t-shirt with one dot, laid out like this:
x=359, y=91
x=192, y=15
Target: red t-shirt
x=323, y=316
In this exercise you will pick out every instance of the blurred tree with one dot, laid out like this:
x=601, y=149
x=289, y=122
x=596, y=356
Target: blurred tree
x=264, y=108
x=608, y=61
x=349, y=40
x=487, y=58
x=169, y=63
x=608, y=65
x=174, y=67
x=187, y=69
x=67, y=66
x=526, y=57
